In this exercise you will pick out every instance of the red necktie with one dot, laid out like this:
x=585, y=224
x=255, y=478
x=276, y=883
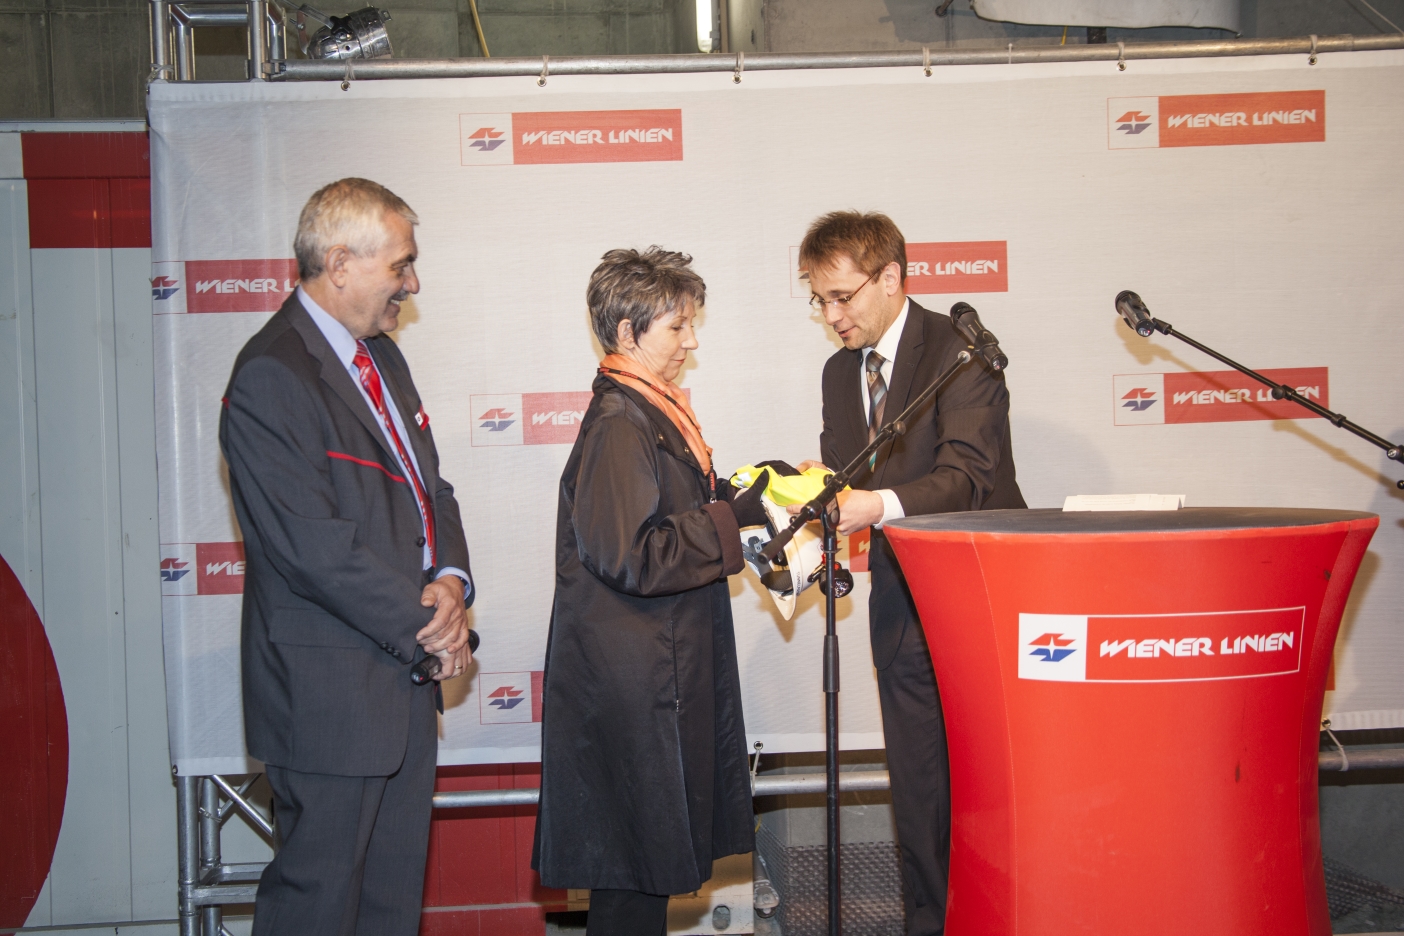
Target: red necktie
x=370, y=379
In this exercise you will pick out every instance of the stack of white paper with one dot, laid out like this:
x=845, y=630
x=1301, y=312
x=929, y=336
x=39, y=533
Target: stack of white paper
x=1124, y=502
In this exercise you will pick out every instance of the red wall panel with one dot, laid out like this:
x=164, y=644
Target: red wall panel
x=131, y=212
x=69, y=213
x=88, y=189
x=86, y=155
x=89, y=213
x=33, y=750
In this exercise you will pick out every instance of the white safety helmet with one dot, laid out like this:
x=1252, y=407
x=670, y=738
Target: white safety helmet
x=803, y=561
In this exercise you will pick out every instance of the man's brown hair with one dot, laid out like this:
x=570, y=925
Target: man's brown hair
x=870, y=240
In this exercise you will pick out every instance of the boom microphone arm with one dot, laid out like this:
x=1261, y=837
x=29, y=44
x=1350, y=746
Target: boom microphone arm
x=1133, y=311
x=839, y=479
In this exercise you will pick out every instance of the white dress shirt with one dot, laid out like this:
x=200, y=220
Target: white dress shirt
x=344, y=346
x=887, y=347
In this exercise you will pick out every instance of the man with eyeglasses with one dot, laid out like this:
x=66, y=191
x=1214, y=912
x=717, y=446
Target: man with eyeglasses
x=955, y=455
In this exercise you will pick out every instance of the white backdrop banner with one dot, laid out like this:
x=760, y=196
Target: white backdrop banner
x=1251, y=202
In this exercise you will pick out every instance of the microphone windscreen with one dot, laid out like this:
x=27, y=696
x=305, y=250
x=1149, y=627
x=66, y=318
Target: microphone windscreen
x=967, y=322
x=964, y=317
x=1134, y=312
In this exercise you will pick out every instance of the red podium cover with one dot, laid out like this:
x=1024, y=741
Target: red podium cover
x=1133, y=705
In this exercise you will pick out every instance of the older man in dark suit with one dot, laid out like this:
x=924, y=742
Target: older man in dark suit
x=955, y=455
x=357, y=568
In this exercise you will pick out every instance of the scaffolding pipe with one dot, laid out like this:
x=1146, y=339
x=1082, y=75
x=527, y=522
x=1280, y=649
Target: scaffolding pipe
x=277, y=36
x=187, y=16
x=258, y=45
x=227, y=14
x=1352, y=759
x=850, y=781
x=188, y=852
x=322, y=70
x=856, y=781
x=184, y=45
x=244, y=806
x=190, y=14
x=211, y=859
x=160, y=13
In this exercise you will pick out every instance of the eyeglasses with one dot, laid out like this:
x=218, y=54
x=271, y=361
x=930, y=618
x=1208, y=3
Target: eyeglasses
x=817, y=303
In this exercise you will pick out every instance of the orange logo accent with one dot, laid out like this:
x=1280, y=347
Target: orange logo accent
x=957, y=267
x=1239, y=119
x=597, y=136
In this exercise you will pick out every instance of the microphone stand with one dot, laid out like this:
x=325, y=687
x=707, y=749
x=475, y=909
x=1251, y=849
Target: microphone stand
x=1280, y=391
x=834, y=586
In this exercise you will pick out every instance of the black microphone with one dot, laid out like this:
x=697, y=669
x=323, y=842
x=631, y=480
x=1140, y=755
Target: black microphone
x=967, y=321
x=429, y=667
x=1135, y=313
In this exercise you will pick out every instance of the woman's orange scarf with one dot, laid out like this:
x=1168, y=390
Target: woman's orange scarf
x=666, y=396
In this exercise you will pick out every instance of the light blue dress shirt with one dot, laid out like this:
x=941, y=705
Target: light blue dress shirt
x=344, y=346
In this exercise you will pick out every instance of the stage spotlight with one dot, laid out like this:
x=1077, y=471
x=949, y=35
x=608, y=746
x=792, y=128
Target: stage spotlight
x=359, y=34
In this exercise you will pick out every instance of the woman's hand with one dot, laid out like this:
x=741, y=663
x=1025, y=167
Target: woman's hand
x=748, y=507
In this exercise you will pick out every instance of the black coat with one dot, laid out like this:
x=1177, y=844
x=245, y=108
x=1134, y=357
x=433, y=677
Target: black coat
x=956, y=454
x=332, y=541
x=643, y=751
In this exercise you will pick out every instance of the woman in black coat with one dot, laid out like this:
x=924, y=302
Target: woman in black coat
x=644, y=777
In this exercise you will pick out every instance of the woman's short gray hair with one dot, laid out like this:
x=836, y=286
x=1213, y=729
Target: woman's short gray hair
x=639, y=286
x=347, y=212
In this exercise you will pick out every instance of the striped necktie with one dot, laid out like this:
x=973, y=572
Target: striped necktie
x=877, y=392
x=370, y=379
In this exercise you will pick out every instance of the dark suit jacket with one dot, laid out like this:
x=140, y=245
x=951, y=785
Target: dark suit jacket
x=332, y=541
x=956, y=454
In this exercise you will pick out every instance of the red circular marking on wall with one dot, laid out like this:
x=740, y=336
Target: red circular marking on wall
x=33, y=750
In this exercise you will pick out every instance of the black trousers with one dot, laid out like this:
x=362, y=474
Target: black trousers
x=915, y=732
x=626, y=913
x=352, y=849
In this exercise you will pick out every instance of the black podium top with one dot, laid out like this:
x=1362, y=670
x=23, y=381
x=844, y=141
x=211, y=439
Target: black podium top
x=1125, y=521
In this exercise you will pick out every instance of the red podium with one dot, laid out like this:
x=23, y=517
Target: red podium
x=1133, y=705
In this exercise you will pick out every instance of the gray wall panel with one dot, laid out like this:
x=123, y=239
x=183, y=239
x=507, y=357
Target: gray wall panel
x=152, y=807
x=19, y=454
x=80, y=505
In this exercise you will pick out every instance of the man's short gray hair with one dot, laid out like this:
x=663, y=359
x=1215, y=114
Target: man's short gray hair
x=639, y=286
x=348, y=213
